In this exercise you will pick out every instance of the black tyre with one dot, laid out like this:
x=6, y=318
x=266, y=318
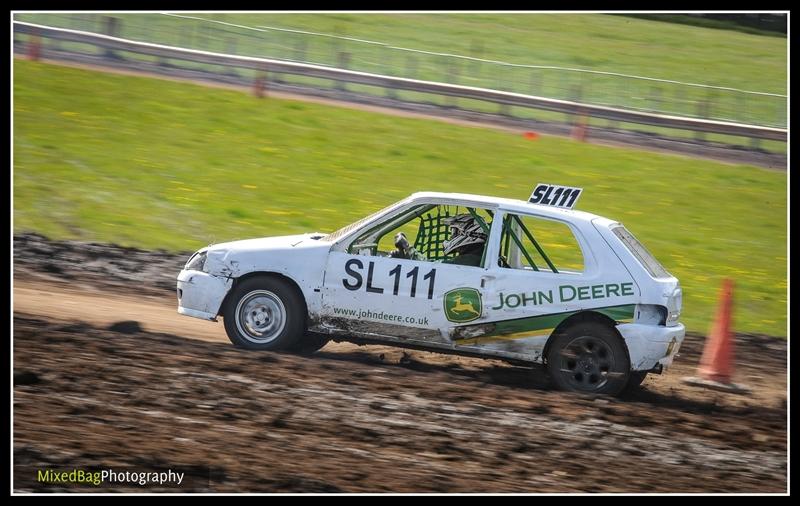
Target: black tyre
x=589, y=357
x=265, y=313
x=310, y=343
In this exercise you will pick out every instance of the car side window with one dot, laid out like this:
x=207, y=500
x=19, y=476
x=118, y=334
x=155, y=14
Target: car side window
x=427, y=233
x=539, y=245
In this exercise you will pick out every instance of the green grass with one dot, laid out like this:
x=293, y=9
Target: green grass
x=772, y=29
x=159, y=164
x=587, y=41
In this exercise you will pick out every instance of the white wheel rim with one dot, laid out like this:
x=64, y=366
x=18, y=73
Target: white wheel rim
x=260, y=316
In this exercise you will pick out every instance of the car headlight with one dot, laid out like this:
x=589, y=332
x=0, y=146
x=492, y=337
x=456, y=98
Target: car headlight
x=197, y=262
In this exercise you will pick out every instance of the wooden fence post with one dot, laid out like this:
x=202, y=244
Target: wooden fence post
x=34, y=47
x=260, y=83
x=111, y=27
x=581, y=128
x=344, y=63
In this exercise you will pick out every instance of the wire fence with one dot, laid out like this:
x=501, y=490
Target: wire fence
x=591, y=87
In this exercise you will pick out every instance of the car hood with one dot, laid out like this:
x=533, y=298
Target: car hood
x=285, y=254
x=269, y=243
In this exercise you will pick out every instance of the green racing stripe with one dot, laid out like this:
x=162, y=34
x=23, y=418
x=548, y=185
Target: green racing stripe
x=550, y=321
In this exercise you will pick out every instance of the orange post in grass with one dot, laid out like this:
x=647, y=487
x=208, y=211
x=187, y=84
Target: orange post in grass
x=580, y=129
x=258, y=86
x=260, y=83
x=34, y=47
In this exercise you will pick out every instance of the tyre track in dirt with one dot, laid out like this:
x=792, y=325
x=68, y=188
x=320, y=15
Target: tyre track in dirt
x=177, y=394
x=335, y=422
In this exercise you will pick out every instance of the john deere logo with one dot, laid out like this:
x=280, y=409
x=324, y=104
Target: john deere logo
x=462, y=305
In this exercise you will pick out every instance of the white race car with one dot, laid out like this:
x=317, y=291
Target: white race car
x=528, y=282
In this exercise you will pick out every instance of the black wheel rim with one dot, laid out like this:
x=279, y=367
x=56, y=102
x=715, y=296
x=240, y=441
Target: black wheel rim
x=587, y=364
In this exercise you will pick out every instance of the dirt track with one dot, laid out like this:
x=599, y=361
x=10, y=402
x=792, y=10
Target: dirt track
x=176, y=394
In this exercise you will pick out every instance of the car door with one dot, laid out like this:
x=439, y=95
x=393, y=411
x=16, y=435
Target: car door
x=381, y=296
x=401, y=299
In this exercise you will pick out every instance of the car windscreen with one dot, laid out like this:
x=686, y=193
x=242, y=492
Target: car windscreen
x=638, y=250
x=335, y=236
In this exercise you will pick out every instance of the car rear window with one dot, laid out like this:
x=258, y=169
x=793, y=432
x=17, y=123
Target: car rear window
x=638, y=250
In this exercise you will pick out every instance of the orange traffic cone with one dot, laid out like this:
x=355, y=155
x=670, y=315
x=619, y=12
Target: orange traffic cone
x=716, y=364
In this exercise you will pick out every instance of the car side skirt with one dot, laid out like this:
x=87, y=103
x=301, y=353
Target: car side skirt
x=520, y=341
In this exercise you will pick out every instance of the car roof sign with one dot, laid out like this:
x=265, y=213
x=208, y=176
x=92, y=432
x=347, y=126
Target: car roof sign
x=555, y=195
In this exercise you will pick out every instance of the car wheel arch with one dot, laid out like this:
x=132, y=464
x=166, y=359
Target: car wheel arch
x=583, y=317
x=271, y=274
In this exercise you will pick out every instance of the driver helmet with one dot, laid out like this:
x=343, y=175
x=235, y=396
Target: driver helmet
x=464, y=231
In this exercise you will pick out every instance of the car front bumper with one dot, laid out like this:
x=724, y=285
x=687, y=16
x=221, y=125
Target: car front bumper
x=200, y=295
x=651, y=346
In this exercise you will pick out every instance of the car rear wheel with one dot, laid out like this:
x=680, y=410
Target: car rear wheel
x=265, y=313
x=589, y=357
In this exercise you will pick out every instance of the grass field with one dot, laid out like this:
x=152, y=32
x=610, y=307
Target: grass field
x=587, y=41
x=159, y=164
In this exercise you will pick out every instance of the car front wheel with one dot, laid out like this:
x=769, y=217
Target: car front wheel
x=265, y=313
x=589, y=357
x=310, y=342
